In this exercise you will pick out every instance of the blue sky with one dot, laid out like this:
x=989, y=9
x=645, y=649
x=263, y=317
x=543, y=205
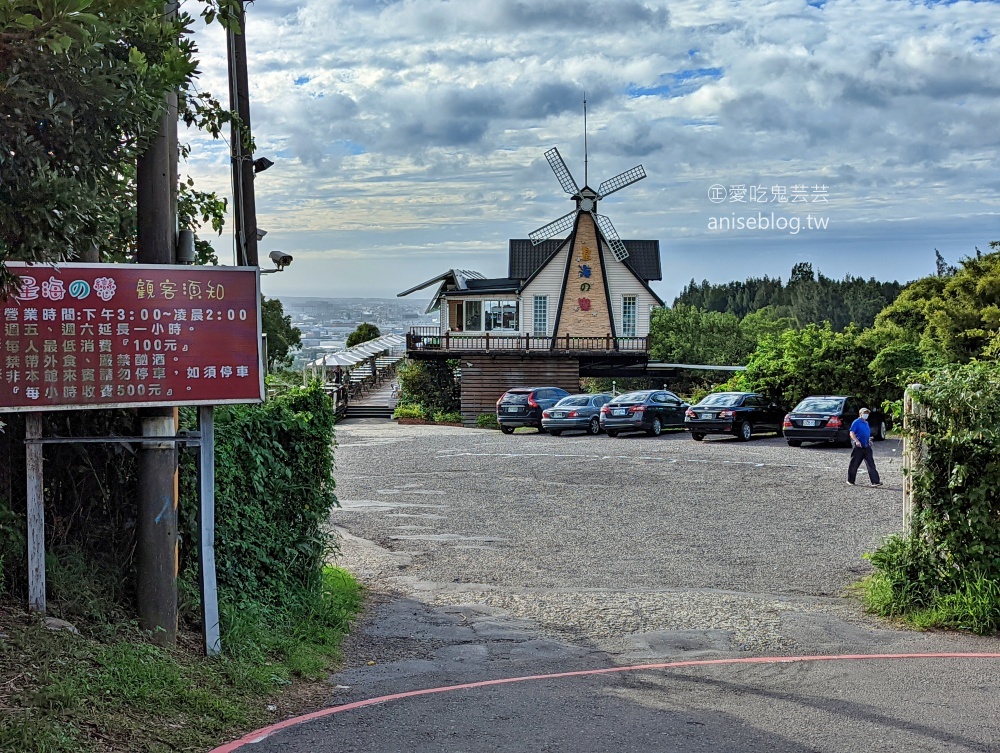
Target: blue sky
x=408, y=135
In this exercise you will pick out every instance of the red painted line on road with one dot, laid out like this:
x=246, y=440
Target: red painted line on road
x=264, y=733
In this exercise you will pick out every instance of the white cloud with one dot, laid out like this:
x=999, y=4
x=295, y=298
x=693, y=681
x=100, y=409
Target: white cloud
x=415, y=129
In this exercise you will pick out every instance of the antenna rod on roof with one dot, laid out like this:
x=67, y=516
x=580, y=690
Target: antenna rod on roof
x=585, y=155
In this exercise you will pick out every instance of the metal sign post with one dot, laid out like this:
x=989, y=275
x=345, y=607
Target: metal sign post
x=206, y=530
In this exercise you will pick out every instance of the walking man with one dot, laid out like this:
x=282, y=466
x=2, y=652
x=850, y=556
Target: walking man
x=861, y=449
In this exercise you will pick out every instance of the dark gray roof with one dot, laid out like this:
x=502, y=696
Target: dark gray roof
x=493, y=285
x=524, y=258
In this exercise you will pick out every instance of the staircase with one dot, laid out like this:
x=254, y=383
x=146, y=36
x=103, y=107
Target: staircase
x=367, y=411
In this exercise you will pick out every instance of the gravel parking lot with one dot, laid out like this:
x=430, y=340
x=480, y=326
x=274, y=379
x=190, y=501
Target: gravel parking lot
x=609, y=541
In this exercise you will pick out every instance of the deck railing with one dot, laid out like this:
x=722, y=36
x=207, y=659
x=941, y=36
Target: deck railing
x=432, y=338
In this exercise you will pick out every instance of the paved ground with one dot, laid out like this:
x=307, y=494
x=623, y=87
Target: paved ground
x=493, y=556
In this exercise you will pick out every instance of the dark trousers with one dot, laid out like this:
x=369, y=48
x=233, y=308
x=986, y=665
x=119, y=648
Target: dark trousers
x=862, y=455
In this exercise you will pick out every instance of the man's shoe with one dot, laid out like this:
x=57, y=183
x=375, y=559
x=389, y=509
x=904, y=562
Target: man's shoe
x=878, y=483
x=850, y=483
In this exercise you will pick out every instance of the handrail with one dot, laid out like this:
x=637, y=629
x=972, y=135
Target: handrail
x=432, y=338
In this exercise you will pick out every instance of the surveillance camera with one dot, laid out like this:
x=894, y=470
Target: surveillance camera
x=280, y=259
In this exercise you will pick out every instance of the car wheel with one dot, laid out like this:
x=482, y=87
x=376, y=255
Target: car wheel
x=612, y=433
x=555, y=432
x=794, y=442
x=506, y=429
x=746, y=431
x=697, y=437
x=657, y=428
x=880, y=432
x=595, y=426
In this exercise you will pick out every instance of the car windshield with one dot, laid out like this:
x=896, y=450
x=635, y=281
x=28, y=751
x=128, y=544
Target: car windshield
x=632, y=397
x=515, y=398
x=820, y=405
x=722, y=399
x=574, y=400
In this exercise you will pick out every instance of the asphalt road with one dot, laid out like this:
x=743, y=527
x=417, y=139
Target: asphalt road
x=492, y=556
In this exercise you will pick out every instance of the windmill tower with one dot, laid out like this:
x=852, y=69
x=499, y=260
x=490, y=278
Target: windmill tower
x=585, y=310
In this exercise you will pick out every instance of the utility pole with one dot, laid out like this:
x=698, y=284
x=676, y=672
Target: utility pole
x=244, y=203
x=156, y=530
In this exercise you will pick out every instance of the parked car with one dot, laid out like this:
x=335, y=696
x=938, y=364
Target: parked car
x=523, y=406
x=581, y=412
x=741, y=414
x=650, y=411
x=828, y=418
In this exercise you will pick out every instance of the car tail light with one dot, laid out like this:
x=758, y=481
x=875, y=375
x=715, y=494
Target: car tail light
x=572, y=414
x=604, y=410
x=637, y=409
x=690, y=413
x=545, y=414
x=501, y=400
x=787, y=423
x=531, y=401
x=834, y=422
x=726, y=413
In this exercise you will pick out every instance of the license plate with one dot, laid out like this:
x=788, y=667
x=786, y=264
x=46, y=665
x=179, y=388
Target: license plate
x=706, y=415
x=512, y=410
x=618, y=412
x=809, y=422
x=558, y=415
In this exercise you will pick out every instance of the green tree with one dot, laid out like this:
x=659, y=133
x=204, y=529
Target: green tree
x=431, y=385
x=282, y=337
x=362, y=334
x=685, y=334
x=84, y=86
x=815, y=360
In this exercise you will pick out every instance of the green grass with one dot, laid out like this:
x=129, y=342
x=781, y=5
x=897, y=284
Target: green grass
x=109, y=689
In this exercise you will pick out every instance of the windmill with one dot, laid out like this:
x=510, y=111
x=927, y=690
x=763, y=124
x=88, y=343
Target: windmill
x=586, y=201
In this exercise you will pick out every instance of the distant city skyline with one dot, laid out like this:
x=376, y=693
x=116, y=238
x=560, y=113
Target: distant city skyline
x=408, y=137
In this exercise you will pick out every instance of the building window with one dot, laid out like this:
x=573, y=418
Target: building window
x=500, y=315
x=541, y=315
x=474, y=316
x=629, y=309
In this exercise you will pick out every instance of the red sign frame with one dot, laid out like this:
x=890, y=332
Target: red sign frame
x=91, y=336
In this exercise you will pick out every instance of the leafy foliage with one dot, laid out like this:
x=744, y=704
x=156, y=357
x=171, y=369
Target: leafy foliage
x=811, y=361
x=83, y=88
x=685, y=334
x=274, y=493
x=431, y=385
x=950, y=560
x=362, y=334
x=487, y=421
x=282, y=337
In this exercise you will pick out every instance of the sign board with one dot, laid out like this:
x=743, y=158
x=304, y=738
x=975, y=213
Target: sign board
x=79, y=336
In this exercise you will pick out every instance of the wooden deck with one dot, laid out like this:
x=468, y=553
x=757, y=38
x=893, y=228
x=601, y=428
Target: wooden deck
x=433, y=339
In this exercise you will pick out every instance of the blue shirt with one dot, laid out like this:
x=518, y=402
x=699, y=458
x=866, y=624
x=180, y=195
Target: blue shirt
x=862, y=431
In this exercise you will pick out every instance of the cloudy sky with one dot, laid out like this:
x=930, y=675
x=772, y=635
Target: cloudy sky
x=409, y=135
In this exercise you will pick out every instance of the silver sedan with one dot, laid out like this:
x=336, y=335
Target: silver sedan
x=575, y=412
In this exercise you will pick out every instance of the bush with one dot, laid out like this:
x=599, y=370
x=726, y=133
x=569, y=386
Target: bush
x=408, y=411
x=274, y=493
x=453, y=417
x=487, y=421
x=946, y=570
x=430, y=384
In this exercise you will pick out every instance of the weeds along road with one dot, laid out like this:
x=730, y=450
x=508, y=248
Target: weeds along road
x=490, y=557
x=602, y=538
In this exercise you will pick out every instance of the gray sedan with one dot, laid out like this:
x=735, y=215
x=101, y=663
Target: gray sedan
x=582, y=412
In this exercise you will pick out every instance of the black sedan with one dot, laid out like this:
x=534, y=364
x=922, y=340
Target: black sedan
x=741, y=414
x=581, y=412
x=828, y=418
x=650, y=411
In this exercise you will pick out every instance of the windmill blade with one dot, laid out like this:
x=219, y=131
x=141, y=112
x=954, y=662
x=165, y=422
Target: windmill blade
x=619, y=182
x=611, y=236
x=553, y=228
x=562, y=172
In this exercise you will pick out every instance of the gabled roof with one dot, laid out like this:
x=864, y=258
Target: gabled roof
x=524, y=258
